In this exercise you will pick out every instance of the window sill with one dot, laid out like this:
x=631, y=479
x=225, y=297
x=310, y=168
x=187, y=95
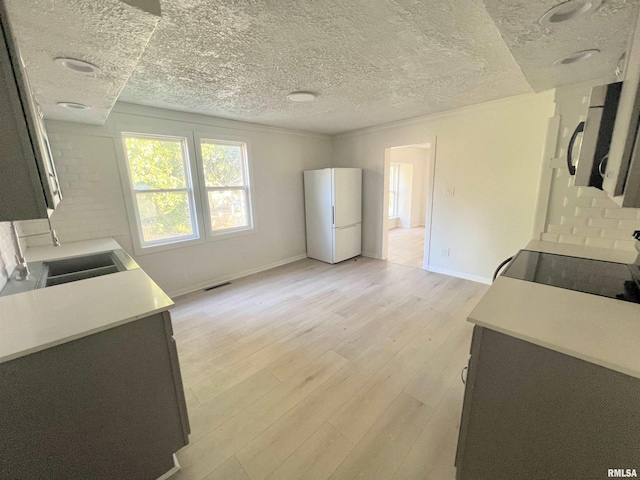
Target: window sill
x=146, y=250
x=214, y=237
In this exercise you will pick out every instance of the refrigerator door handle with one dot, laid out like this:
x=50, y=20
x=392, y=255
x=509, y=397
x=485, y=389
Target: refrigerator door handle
x=333, y=213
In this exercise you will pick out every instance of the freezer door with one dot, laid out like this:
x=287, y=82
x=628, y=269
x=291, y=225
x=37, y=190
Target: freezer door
x=347, y=242
x=347, y=196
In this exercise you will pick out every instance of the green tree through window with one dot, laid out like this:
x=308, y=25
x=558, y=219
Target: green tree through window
x=157, y=169
x=224, y=165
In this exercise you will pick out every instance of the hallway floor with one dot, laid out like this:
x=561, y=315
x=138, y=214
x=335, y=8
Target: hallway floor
x=406, y=246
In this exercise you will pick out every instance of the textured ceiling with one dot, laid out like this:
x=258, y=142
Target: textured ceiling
x=536, y=48
x=107, y=33
x=369, y=62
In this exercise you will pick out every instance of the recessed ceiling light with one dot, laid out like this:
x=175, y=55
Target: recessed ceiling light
x=576, y=57
x=76, y=65
x=73, y=105
x=568, y=11
x=301, y=97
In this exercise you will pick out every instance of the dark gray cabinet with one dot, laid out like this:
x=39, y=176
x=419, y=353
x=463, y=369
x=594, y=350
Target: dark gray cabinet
x=29, y=185
x=107, y=406
x=533, y=413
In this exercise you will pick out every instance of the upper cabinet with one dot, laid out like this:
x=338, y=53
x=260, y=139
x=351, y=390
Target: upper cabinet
x=29, y=187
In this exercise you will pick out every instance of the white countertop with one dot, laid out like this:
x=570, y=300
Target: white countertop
x=39, y=319
x=71, y=249
x=600, y=330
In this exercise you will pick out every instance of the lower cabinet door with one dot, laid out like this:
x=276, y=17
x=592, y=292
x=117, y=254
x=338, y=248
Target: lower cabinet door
x=100, y=407
x=533, y=413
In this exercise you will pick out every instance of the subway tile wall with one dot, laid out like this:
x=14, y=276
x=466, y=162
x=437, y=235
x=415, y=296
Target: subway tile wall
x=7, y=253
x=93, y=203
x=588, y=217
x=583, y=215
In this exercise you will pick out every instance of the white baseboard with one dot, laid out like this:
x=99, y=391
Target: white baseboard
x=234, y=276
x=466, y=276
x=173, y=471
x=370, y=255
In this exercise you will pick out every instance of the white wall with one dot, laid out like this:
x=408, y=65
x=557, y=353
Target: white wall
x=93, y=204
x=7, y=253
x=418, y=158
x=491, y=154
x=582, y=215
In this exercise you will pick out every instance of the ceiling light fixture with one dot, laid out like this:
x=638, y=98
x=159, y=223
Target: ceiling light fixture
x=301, y=97
x=76, y=65
x=576, y=57
x=568, y=11
x=73, y=105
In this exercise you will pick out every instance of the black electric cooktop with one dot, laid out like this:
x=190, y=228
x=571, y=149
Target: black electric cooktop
x=607, y=279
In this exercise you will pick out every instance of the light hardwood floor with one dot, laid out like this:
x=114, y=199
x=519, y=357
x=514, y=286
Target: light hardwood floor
x=317, y=371
x=406, y=246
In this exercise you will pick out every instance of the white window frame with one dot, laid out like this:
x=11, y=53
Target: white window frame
x=163, y=129
x=214, y=137
x=140, y=246
x=394, y=188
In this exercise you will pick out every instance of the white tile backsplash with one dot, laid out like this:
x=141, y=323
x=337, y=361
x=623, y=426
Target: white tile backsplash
x=92, y=204
x=572, y=239
x=583, y=215
x=7, y=253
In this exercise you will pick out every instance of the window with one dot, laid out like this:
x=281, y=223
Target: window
x=160, y=179
x=226, y=184
x=394, y=179
x=186, y=188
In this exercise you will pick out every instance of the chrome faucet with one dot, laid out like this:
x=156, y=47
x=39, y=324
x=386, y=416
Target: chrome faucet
x=22, y=267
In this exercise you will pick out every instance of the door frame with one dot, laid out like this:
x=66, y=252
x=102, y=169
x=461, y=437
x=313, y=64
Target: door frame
x=430, y=183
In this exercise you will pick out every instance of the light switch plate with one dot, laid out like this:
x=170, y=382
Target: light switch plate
x=449, y=191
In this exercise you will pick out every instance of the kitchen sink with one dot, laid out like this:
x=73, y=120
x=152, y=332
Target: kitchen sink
x=57, y=272
x=80, y=268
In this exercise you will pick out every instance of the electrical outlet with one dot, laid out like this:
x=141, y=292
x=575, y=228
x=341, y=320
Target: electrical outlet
x=449, y=191
x=444, y=252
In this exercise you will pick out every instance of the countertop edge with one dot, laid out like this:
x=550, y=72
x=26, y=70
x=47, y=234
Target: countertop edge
x=37, y=317
x=599, y=330
x=71, y=338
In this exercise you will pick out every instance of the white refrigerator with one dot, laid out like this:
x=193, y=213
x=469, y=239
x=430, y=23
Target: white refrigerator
x=333, y=207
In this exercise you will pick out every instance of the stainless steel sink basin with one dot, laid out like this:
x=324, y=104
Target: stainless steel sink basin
x=56, y=272
x=80, y=268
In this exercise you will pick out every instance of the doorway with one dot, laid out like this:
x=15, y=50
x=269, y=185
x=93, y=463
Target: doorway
x=409, y=172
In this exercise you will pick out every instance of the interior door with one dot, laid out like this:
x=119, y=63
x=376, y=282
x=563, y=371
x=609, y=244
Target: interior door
x=347, y=242
x=347, y=196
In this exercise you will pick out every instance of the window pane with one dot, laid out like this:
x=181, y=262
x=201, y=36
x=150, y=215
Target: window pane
x=164, y=215
x=155, y=164
x=392, y=204
x=228, y=209
x=392, y=177
x=222, y=164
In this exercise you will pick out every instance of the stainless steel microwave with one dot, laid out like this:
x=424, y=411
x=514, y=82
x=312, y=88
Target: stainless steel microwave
x=590, y=169
x=610, y=153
